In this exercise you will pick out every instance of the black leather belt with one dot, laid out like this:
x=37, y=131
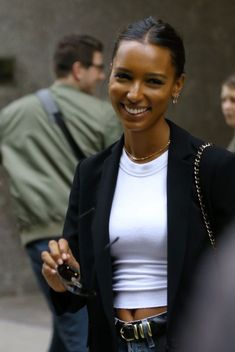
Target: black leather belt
x=141, y=329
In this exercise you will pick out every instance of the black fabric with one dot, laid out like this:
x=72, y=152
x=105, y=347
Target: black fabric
x=93, y=189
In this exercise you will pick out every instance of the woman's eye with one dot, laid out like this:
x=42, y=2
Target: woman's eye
x=155, y=81
x=122, y=76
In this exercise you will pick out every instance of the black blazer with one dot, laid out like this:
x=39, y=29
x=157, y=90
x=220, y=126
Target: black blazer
x=87, y=224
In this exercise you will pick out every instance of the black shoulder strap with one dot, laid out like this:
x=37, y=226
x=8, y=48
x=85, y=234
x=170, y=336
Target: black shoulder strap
x=55, y=115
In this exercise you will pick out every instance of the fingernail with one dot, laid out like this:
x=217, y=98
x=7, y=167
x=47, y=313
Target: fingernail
x=60, y=261
x=64, y=256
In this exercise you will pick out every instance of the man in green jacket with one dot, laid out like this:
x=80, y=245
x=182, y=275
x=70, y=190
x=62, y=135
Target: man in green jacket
x=41, y=164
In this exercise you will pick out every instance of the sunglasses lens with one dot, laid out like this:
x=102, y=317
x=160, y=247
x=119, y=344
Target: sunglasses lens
x=70, y=278
x=68, y=273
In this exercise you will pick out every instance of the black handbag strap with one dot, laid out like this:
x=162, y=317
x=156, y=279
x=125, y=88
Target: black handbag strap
x=56, y=116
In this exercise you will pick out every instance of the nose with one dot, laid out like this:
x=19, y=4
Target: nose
x=135, y=92
x=226, y=104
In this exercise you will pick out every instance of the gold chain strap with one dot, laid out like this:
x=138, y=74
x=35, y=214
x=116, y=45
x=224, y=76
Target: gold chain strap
x=199, y=192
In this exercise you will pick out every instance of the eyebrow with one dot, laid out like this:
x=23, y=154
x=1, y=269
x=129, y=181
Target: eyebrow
x=157, y=75
x=122, y=69
x=149, y=74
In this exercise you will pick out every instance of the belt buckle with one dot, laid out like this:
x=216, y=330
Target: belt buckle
x=122, y=332
x=149, y=330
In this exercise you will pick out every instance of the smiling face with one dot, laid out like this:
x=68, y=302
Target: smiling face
x=142, y=83
x=228, y=105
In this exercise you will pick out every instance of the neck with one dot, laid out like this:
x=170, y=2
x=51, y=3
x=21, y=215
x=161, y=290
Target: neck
x=146, y=145
x=148, y=157
x=68, y=81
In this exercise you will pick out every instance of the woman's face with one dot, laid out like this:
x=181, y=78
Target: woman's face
x=142, y=82
x=228, y=105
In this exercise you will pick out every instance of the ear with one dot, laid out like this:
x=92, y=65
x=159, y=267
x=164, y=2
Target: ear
x=77, y=70
x=179, y=83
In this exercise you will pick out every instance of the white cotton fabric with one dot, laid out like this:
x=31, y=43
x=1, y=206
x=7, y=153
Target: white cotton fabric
x=139, y=218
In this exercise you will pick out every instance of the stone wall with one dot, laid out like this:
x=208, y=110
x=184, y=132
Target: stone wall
x=29, y=31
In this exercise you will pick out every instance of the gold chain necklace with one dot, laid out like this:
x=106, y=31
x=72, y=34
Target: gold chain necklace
x=135, y=158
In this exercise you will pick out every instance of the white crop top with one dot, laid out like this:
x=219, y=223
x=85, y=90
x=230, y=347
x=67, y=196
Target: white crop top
x=139, y=218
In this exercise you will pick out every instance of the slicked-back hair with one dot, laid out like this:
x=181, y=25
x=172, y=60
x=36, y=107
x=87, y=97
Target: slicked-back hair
x=156, y=32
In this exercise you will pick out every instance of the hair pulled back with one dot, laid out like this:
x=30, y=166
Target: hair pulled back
x=157, y=32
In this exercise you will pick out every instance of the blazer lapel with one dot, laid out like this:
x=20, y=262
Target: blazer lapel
x=179, y=192
x=100, y=228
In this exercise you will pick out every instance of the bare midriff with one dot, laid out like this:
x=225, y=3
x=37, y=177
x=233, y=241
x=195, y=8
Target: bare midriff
x=137, y=314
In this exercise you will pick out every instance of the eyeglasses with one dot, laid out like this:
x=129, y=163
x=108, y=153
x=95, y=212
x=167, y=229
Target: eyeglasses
x=99, y=67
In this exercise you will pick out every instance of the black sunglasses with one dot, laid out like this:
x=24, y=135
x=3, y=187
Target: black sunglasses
x=70, y=277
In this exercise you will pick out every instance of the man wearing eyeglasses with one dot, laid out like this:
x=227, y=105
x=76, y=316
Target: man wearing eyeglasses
x=86, y=72
x=40, y=162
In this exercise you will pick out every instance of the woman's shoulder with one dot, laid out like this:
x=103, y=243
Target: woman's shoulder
x=217, y=166
x=218, y=155
x=213, y=153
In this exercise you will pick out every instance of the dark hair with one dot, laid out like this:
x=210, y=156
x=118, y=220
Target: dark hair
x=230, y=81
x=72, y=48
x=155, y=32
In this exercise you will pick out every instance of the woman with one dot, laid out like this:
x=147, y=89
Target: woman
x=228, y=106
x=134, y=223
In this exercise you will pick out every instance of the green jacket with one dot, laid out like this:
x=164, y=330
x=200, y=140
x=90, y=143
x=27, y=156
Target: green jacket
x=39, y=160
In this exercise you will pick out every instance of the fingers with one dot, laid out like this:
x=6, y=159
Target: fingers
x=52, y=278
x=66, y=254
x=58, y=252
x=48, y=270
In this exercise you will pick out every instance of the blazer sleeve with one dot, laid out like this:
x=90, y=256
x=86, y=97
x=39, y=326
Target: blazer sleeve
x=71, y=219
x=68, y=302
x=70, y=230
x=218, y=168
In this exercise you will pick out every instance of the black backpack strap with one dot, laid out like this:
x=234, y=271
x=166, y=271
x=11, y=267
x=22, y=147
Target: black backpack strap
x=55, y=115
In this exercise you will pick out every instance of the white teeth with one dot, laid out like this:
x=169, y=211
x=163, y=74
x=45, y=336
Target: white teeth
x=135, y=111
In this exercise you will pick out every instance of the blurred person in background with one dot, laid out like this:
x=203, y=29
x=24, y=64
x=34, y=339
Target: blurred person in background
x=228, y=106
x=211, y=320
x=40, y=161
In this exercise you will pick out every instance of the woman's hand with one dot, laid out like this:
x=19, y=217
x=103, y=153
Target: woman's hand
x=58, y=253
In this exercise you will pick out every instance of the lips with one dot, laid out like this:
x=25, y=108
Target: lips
x=229, y=114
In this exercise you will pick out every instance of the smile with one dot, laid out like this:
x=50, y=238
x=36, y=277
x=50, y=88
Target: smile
x=135, y=111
